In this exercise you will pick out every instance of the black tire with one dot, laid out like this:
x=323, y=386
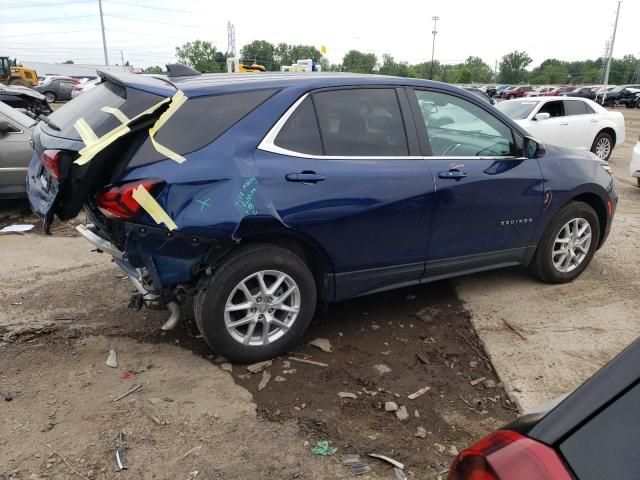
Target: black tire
x=638, y=179
x=50, y=97
x=542, y=265
x=209, y=305
x=603, y=136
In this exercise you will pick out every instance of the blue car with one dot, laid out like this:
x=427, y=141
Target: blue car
x=263, y=196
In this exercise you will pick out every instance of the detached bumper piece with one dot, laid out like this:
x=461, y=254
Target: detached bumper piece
x=100, y=243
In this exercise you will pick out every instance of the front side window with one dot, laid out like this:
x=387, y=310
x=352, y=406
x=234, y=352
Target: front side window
x=554, y=108
x=517, y=110
x=457, y=127
x=361, y=122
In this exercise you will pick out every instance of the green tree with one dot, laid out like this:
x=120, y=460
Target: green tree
x=154, y=69
x=262, y=52
x=68, y=62
x=423, y=70
x=201, y=55
x=513, y=67
x=391, y=67
x=464, y=75
x=359, y=62
x=480, y=71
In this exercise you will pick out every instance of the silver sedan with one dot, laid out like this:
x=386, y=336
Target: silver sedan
x=15, y=151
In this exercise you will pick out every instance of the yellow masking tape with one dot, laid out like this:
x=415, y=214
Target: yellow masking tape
x=116, y=113
x=153, y=208
x=84, y=130
x=92, y=149
x=177, y=100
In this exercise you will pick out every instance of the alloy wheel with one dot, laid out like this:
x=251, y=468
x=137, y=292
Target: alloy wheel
x=262, y=308
x=571, y=245
x=603, y=148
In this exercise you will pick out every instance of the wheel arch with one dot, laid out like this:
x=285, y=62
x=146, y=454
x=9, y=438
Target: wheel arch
x=600, y=207
x=611, y=132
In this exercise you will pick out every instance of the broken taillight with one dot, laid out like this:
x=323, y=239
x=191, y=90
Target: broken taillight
x=117, y=202
x=507, y=455
x=51, y=161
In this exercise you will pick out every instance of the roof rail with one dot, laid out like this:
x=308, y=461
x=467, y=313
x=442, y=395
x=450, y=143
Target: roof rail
x=178, y=70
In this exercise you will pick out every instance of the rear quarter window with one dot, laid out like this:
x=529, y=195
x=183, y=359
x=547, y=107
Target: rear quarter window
x=200, y=121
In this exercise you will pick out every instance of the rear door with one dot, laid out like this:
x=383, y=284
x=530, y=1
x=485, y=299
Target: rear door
x=342, y=170
x=582, y=126
x=488, y=195
x=15, y=151
x=64, y=89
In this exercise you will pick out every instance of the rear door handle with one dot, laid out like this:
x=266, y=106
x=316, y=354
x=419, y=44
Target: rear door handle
x=305, y=177
x=454, y=174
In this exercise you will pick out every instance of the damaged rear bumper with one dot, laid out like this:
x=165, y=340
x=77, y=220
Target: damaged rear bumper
x=100, y=243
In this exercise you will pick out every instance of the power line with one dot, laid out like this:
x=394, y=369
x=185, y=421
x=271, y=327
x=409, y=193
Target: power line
x=48, y=33
x=45, y=19
x=153, y=7
x=49, y=4
x=173, y=24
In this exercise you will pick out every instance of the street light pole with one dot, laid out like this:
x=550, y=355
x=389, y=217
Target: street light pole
x=433, y=45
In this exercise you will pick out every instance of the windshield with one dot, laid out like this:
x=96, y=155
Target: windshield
x=16, y=115
x=518, y=110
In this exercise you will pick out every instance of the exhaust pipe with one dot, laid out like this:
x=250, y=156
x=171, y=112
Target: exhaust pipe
x=174, y=318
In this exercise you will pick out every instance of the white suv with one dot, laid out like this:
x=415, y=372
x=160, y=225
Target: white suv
x=634, y=168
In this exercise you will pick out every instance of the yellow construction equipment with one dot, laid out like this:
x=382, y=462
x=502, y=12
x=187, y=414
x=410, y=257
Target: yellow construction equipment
x=235, y=65
x=12, y=74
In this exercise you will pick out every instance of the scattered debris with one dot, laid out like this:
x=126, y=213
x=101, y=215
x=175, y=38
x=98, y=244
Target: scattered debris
x=6, y=395
x=127, y=375
x=347, y=395
x=15, y=304
x=193, y=450
x=390, y=406
x=360, y=469
x=478, y=352
x=402, y=413
x=121, y=453
x=350, y=458
x=286, y=364
x=477, y=381
x=64, y=460
x=192, y=475
x=399, y=474
x=266, y=377
x=421, y=432
x=416, y=413
x=47, y=426
x=478, y=403
x=280, y=379
x=440, y=448
x=393, y=462
x=422, y=358
x=382, y=368
x=420, y=392
x=227, y=367
x=290, y=371
x=488, y=383
x=16, y=228
x=323, y=448
x=513, y=329
x=473, y=364
x=310, y=362
x=323, y=344
x=260, y=366
x=453, y=450
x=112, y=360
x=134, y=387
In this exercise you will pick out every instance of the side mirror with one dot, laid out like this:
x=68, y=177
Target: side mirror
x=531, y=148
x=5, y=126
x=542, y=116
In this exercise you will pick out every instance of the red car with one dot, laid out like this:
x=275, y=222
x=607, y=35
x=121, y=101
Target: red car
x=592, y=434
x=558, y=91
x=516, y=92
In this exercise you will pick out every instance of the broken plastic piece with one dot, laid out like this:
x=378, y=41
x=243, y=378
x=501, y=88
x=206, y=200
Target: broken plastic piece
x=399, y=474
x=152, y=207
x=121, y=453
x=390, y=460
x=360, y=469
x=323, y=448
x=350, y=458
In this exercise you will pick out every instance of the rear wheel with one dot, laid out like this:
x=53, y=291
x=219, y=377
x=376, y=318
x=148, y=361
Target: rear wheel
x=567, y=245
x=257, y=305
x=603, y=146
x=50, y=96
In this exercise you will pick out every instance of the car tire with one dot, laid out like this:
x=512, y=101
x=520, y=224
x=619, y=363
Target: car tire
x=603, y=146
x=548, y=263
x=216, y=320
x=50, y=97
x=638, y=179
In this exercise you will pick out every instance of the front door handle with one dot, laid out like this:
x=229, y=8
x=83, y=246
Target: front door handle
x=305, y=177
x=453, y=174
x=564, y=123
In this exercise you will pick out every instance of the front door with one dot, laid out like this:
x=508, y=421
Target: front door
x=343, y=172
x=488, y=197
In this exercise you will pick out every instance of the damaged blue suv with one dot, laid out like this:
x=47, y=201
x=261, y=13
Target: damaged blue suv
x=264, y=195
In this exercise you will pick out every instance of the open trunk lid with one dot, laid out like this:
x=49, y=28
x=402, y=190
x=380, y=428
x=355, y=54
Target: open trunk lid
x=86, y=142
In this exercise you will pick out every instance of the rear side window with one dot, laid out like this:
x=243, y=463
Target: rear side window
x=359, y=122
x=300, y=133
x=607, y=446
x=131, y=102
x=199, y=122
x=575, y=107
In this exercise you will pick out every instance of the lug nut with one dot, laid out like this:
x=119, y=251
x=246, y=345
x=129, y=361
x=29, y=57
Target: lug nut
x=253, y=310
x=261, y=317
x=269, y=299
x=271, y=310
x=259, y=299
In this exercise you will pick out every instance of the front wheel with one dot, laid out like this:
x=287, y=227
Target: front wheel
x=602, y=146
x=50, y=97
x=257, y=305
x=567, y=245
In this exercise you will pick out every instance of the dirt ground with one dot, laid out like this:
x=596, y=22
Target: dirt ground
x=64, y=307
x=568, y=331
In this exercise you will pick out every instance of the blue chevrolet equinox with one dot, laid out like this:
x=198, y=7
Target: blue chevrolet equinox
x=263, y=195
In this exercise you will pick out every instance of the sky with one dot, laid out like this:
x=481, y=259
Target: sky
x=147, y=31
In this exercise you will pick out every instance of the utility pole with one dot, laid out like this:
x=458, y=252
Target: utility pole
x=231, y=39
x=104, y=38
x=495, y=71
x=613, y=40
x=122, y=60
x=433, y=45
